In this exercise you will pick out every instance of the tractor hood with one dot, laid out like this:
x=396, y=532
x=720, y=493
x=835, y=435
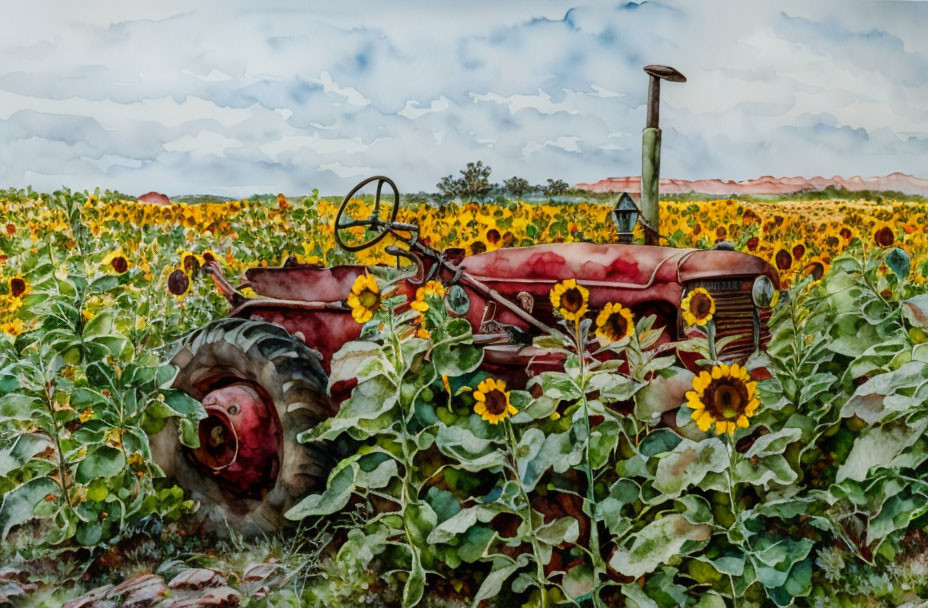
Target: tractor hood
x=631, y=266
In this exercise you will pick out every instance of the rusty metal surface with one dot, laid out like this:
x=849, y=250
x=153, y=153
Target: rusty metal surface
x=239, y=439
x=308, y=283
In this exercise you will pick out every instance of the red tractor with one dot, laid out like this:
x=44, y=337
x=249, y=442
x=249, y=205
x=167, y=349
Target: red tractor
x=261, y=373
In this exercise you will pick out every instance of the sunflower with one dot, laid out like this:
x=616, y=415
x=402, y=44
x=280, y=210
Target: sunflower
x=698, y=307
x=493, y=401
x=117, y=261
x=365, y=298
x=208, y=257
x=725, y=396
x=570, y=299
x=614, y=323
x=432, y=288
x=18, y=286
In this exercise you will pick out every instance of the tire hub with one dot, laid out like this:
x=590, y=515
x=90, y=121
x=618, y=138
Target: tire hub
x=240, y=440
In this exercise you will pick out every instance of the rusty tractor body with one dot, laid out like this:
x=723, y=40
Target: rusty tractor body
x=508, y=292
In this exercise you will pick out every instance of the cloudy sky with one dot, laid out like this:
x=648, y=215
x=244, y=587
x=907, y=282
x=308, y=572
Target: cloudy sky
x=235, y=97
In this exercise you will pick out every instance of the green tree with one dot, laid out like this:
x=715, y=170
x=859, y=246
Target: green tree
x=516, y=186
x=474, y=182
x=448, y=187
x=555, y=187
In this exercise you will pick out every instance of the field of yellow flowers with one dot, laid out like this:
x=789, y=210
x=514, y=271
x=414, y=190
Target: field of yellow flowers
x=797, y=237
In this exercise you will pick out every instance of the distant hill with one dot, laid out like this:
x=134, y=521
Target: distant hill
x=896, y=182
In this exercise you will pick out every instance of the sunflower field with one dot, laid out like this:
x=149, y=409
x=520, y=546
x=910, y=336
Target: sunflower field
x=797, y=478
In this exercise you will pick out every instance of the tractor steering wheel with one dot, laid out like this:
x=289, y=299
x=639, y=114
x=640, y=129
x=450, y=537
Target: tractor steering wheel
x=379, y=226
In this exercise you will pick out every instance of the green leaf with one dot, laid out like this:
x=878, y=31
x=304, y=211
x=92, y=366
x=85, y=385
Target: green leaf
x=101, y=325
x=443, y=503
x=102, y=284
x=349, y=359
x=537, y=453
x=774, y=562
x=579, y=581
x=164, y=379
x=472, y=453
x=915, y=310
x=17, y=406
x=189, y=434
x=657, y=543
x=878, y=447
x=890, y=394
x=662, y=394
x=183, y=404
x=462, y=521
x=773, y=443
x=558, y=531
x=764, y=472
x=475, y=543
x=899, y=262
x=363, y=546
x=637, y=598
x=102, y=462
x=88, y=533
x=687, y=465
x=503, y=567
x=20, y=502
x=334, y=498
x=369, y=400
x=23, y=449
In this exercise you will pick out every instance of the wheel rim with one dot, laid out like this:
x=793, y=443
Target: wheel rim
x=240, y=440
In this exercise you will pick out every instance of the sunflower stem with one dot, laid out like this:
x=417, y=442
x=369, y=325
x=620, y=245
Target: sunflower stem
x=595, y=549
x=730, y=448
x=539, y=565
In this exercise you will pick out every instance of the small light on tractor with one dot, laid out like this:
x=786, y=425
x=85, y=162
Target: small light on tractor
x=625, y=216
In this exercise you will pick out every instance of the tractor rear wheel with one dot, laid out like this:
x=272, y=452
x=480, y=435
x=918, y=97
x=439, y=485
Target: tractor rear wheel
x=260, y=387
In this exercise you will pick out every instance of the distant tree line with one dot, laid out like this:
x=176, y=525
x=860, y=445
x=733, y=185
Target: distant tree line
x=474, y=184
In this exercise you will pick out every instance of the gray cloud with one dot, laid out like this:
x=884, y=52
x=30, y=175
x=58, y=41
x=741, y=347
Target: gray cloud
x=235, y=98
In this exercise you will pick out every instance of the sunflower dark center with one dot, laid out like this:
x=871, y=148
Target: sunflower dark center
x=572, y=300
x=726, y=398
x=701, y=306
x=119, y=264
x=817, y=270
x=369, y=299
x=616, y=326
x=496, y=402
x=178, y=282
x=783, y=259
x=191, y=264
x=17, y=287
x=493, y=235
x=884, y=236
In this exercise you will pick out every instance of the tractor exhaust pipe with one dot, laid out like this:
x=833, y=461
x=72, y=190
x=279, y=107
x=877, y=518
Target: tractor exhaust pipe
x=651, y=152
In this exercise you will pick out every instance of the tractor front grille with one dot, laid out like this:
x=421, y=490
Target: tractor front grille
x=736, y=315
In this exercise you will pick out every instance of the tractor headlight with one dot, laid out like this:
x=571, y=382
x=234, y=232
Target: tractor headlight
x=762, y=292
